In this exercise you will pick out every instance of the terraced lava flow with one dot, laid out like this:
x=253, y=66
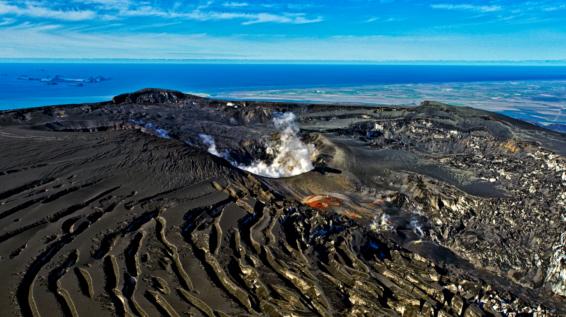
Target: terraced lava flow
x=145, y=206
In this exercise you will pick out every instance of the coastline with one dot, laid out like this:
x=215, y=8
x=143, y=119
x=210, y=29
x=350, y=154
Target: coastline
x=533, y=94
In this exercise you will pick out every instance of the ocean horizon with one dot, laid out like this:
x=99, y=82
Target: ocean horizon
x=534, y=93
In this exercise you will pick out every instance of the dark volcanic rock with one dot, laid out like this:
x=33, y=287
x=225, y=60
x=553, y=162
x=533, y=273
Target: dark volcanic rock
x=116, y=209
x=150, y=96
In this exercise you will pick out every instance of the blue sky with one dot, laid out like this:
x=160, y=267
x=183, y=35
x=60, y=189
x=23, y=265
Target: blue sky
x=344, y=30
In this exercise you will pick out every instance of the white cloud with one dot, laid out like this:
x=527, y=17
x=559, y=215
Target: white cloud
x=31, y=10
x=558, y=7
x=106, y=4
x=7, y=22
x=467, y=7
x=381, y=20
x=119, y=9
x=200, y=15
x=273, y=18
x=235, y=4
x=40, y=41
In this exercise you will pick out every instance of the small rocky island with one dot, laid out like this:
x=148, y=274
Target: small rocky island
x=161, y=203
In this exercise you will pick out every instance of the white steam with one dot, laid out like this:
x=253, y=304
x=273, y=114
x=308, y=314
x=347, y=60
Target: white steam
x=291, y=156
x=209, y=141
x=151, y=128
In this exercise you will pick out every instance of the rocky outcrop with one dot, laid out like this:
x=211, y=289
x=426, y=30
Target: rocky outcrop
x=150, y=96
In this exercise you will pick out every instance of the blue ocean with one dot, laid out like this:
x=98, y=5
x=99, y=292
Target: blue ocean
x=533, y=93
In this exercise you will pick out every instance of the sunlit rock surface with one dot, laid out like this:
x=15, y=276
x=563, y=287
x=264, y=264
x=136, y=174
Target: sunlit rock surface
x=127, y=208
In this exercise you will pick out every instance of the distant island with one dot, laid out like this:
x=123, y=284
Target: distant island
x=58, y=79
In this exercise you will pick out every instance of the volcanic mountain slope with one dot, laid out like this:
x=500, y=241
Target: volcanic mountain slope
x=117, y=209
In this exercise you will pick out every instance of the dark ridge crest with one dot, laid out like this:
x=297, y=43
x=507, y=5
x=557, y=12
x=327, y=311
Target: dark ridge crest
x=151, y=96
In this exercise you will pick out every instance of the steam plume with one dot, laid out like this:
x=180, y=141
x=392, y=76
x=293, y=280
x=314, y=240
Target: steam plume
x=209, y=141
x=291, y=156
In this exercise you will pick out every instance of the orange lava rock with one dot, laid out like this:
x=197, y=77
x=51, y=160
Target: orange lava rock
x=321, y=201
